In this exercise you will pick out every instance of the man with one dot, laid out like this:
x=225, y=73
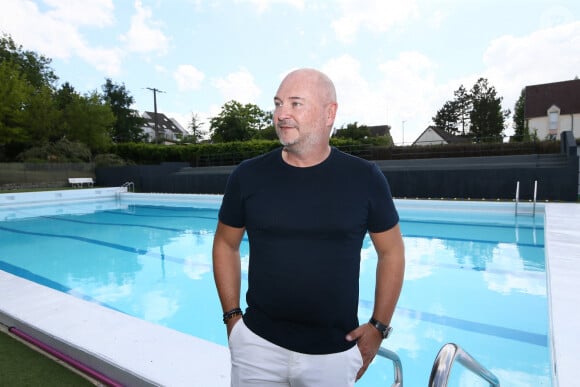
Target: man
x=306, y=208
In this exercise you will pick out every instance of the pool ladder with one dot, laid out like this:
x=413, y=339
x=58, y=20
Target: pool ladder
x=442, y=366
x=518, y=198
x=129, y=185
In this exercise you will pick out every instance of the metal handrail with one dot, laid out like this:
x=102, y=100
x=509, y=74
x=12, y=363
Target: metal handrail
x=534, y=199
x=445, y=359
x=397, y=365
x=129, y=185
x=517, y=196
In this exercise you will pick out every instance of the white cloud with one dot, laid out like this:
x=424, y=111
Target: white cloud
x=97, y=13
x=238, y=86
x=60, y=37
x=144, y=36
x=107, y=60
x=263, y=5
x=375, y=15
x=544, y=56
x=188, y=77
x=405, y=90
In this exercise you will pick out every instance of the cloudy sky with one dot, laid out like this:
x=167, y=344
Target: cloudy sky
x=393, y=62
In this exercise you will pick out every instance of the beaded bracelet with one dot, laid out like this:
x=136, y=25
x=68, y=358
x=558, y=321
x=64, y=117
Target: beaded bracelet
x=234, y=312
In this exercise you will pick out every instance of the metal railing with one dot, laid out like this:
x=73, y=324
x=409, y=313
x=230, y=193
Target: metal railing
x=397, y=365
x=444, y=362
x=517, y=199
x=129, y=185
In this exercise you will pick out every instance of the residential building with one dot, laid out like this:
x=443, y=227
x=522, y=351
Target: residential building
x=552, y=108
x=159, y=128
x=434, y=135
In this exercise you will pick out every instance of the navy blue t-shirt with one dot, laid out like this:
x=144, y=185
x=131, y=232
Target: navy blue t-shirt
x=305, y=227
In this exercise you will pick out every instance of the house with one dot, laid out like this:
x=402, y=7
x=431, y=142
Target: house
x=434, y=135
x=159, y=128
x=552, y=108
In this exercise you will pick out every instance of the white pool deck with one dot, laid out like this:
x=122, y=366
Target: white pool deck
x=137, y=353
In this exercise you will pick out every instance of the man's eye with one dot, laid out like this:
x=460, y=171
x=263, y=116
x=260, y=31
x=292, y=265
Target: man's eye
x=296, y=104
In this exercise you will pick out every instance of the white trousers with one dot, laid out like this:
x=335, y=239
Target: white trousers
x=257, y=362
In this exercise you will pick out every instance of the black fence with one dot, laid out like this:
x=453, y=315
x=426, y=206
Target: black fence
x=490, y=177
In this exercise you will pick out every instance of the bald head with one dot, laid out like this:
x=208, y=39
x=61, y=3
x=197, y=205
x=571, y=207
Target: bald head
x=316, y=80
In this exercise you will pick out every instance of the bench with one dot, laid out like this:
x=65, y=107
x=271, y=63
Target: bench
x=80, y=181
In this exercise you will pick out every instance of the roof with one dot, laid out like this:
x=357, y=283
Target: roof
x=163, y=122
x=379, y=130
x=445, y=136
x=565, y=95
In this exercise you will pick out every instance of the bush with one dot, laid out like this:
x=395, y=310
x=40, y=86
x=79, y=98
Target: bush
x=109, y=160
x=61, y=151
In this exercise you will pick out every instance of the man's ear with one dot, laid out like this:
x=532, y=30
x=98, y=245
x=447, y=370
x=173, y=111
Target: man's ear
x=331, y=113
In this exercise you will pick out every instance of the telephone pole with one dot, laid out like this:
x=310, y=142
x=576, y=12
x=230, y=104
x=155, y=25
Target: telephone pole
x=155, y=91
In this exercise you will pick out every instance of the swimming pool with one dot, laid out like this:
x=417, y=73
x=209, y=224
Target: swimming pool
x=474, y=276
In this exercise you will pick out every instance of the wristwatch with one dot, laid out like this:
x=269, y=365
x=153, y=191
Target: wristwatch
x=383, y=329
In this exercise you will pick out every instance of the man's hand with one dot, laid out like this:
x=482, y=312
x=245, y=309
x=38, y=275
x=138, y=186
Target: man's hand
x=368, y=340
x=231, y=322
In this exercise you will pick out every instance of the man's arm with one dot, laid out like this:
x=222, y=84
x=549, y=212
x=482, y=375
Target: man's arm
x=389, y=281
x=227, y=267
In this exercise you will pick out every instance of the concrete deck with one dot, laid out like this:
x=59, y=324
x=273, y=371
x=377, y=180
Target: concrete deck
x=562, y=241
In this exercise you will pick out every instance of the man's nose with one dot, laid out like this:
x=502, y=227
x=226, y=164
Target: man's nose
x=281, y=113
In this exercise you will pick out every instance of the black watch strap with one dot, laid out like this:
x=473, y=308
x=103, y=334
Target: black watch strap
x=383, y=329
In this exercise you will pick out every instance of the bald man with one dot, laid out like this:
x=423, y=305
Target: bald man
x=306, y=208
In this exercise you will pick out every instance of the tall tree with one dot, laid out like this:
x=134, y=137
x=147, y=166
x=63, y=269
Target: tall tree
x=195, y=127
x=128, y=124
x=90, y=121
x=26, y=85
x=34, y=67
x=14, y=94
x=521, y=132
x=237, y=122
x=487, y=118
x=463, y=106
x=42, y=117
x=447, y=117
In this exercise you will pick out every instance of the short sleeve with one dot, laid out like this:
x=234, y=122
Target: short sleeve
x=382, y=212
x=231, y=210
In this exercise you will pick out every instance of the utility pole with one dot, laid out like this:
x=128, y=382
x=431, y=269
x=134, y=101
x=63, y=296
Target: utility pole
x=403, y=142
x=155, y=91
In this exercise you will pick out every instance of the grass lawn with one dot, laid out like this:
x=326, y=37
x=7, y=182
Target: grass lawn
x=22, y=366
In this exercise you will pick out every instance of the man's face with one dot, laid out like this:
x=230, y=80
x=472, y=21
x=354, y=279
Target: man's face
x=299, y=114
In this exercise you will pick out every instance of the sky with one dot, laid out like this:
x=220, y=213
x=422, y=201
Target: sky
x=392, y=62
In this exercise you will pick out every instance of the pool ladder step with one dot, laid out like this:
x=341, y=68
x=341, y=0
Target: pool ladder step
x=442, y=365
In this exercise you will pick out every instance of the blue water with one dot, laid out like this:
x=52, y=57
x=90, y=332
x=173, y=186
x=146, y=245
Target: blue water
x=473, y=278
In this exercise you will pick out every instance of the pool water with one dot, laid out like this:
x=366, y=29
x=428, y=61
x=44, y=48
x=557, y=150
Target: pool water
x=475, y=278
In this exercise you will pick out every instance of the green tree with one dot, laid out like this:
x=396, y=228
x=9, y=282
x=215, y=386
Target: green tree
x=195, y=127
x=463, y=106
x=237, y=122
x=128, y=124
x=14, y=94
x=42, y=117
x=486, y=117
x=447, y=117
x=269, y=132
x=34, y=68
x=353, y=131
x=89, y=121
x=521, y=132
